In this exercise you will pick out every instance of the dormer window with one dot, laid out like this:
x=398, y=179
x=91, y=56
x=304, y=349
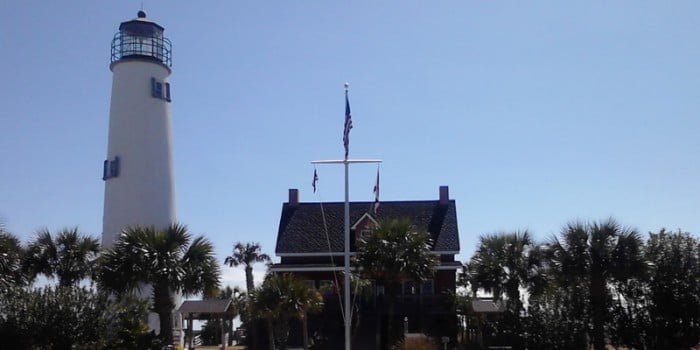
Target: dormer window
x=366, y=233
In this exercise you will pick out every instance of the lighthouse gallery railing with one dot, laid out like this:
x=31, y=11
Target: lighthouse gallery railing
x=125, y=45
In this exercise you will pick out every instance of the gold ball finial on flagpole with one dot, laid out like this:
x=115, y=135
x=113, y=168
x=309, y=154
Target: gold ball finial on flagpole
x=347, y=85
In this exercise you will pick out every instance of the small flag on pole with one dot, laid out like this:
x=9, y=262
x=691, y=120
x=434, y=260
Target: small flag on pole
x=313, y=183
x=375, y=208
x=348, y=123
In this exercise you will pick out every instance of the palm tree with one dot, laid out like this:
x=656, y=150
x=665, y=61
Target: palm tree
x=70, y=257
x=505, y=263
x=247, y=255
x=395, y=252
x=592, y=256
x=502, y=265
x=11, y=254
x=281, y=298
x=169, y=260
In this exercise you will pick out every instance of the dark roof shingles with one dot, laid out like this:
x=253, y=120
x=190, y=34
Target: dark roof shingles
x=302, y=229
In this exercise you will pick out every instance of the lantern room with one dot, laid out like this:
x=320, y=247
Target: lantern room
x=141, y=38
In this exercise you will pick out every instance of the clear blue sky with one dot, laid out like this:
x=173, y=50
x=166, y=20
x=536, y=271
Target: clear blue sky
x=534, y=113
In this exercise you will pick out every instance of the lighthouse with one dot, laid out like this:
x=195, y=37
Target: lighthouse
x=138, y=170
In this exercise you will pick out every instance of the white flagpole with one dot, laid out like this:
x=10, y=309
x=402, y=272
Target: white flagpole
x=346, y=260
x=346, y=255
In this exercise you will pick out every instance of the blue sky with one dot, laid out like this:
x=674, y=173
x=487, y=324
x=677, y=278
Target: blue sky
x=534, y=113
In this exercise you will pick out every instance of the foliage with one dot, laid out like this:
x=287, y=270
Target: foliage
x=556, y=319
x=416, y=343
x=72, y=318
x=11, y=255
x=673, y=292
x=125, y=325
x=281, y=298
x=52, y=318
x=247, y=255
x=211, y=330
x=504, y=264
x=594, y=256
x=70, y=257
x=394, y=253
x=169, y=260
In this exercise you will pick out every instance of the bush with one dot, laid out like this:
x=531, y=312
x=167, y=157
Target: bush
x=416, y=342
x=72, y=318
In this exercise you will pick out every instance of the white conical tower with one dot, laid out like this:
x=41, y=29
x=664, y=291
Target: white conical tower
x=138, y=172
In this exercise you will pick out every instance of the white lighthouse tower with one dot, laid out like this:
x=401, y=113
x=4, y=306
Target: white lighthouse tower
x=138, y=172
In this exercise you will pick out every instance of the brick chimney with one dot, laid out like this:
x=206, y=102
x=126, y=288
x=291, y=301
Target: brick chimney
x=444, y=195
x=293, y=197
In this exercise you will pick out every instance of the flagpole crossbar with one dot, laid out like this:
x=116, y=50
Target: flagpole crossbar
x=348, y=161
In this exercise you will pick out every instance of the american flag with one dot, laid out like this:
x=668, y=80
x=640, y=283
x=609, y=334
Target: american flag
x=348, y=125
x=375, y=208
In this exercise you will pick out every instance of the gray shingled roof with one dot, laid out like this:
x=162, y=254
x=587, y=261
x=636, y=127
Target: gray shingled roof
x=486, y=306
x=206, y=307
x=301, y=228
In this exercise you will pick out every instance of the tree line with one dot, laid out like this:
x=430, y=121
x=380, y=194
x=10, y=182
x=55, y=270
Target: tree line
x=104, y=314
x=593, y=284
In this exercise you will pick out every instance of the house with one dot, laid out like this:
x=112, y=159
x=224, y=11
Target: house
x=310, y=244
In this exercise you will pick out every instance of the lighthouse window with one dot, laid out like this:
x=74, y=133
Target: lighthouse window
x=167, y=92
x=157, y=90
x=110, y=168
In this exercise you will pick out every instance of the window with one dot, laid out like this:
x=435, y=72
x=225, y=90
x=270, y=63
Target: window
x=427, y=287
x=366, y=233
x=157, y=90
x=326, y=286
x=310, y=283
x=409, y=287
x=167, y=92
x=379, y=291
x=110, y=168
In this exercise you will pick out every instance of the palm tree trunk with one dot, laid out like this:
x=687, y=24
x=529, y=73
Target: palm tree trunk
x=249, y=279
x=598, y=313
x=270, y=333
x=250, y=320
x=283, y=332
x=390, y=321
x=230, y=332
x=597, y=291
x=163, y=305
x=305, y=331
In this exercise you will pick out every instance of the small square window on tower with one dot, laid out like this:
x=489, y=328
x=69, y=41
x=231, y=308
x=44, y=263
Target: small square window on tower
x=110, y=168
x=167, y=92
x=156, y=88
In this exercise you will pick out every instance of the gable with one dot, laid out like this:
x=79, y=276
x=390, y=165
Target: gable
x=365, y=221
